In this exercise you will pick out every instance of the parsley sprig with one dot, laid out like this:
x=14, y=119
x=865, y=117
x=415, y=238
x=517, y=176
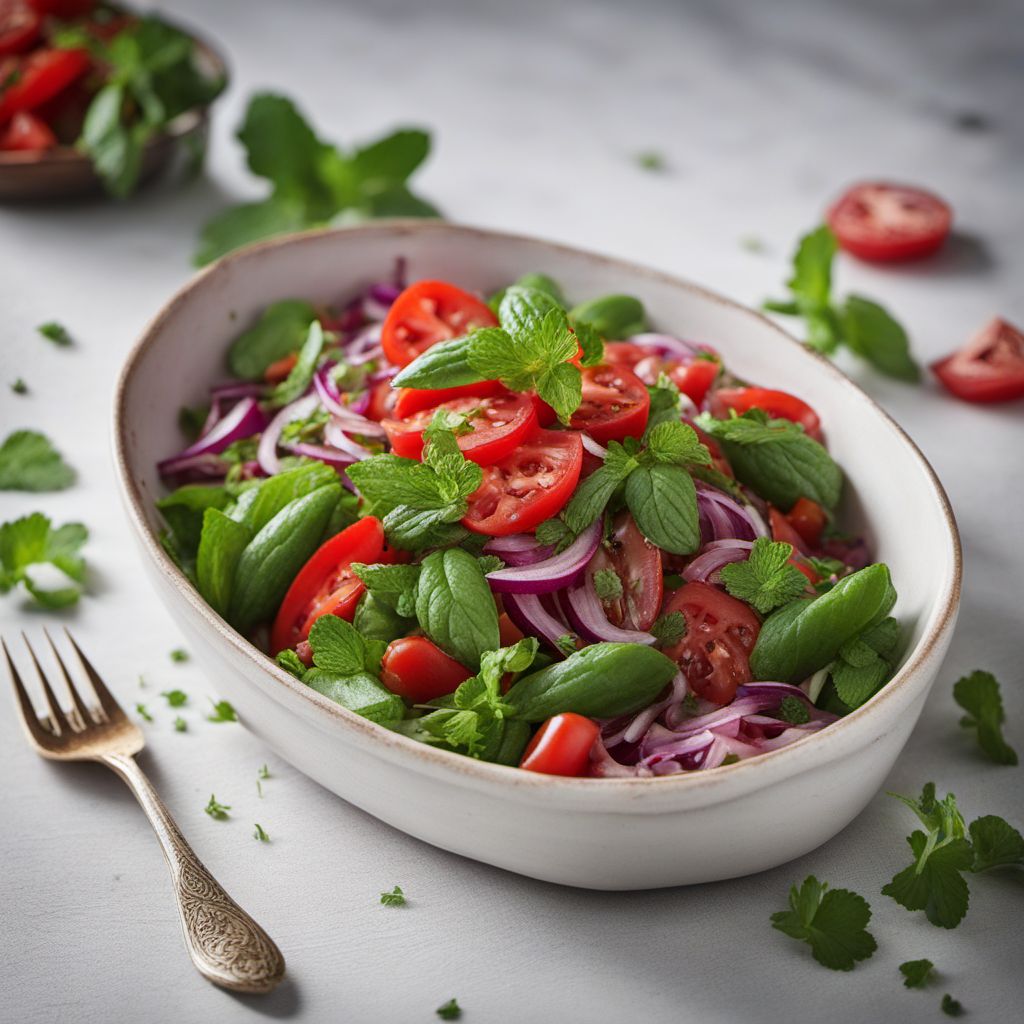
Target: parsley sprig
x=394, y=898
x=32, y=541
x=29, y=462
x=766, y=579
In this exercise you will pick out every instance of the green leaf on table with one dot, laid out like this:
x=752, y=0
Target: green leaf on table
x=31, y=542
x=917, y=973
x=29, y=462
x=872, y=333
x=55, y=332
x=996, y=844
x=978, y=694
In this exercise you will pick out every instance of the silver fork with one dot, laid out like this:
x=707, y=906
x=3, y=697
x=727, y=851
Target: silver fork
x=226, y=945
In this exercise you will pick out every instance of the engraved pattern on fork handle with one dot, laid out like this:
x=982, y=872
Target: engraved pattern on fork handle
x=226, y=945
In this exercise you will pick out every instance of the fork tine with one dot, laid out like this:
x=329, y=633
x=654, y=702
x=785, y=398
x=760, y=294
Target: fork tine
x=85, y=716
x=58, y=720
x=29, y=718
x=110, y=707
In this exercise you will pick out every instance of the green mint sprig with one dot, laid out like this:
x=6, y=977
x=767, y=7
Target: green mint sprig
x=978, y=694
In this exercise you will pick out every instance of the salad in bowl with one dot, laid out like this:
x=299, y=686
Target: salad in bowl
x=529, y=530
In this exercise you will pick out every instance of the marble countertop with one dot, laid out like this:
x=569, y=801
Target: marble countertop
x=763, y=112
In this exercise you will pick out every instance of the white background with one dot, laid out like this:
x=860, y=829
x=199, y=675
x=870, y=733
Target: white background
x=763, y=112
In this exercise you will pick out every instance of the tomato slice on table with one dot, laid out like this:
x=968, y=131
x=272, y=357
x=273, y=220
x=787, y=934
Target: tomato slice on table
x=326, y=584
x=989, y=368
x=418, y=670
x=721, y=631
x=19, y=26
x=500, y=424
x=561, y=746
x=615, y=404
x=530, y=485
x=410, y=400
x=27, y=133
x=41, y=76
x=780, y=405
x=882, y=221
x=428, y=312
x=637, y=563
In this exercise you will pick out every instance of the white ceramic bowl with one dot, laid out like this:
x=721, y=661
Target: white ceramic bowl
x=595, y=833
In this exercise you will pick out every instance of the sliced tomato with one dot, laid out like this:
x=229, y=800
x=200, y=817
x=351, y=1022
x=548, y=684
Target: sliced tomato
x=561, y=746
x=721, y=631
x=428, y=312
x=637, y=563
x=41, y=76
x=410, y=400
x=19, y=26
x=418, y=670
x=989, y=368
x=615, y=404
x=382, y=401
x=783, y=530
x=500, y=424
x=530, y=485
x=27, y=133
x=693, y=377
x=326, y=584
x=808, y=519
x=780, y=405
x=881, y=221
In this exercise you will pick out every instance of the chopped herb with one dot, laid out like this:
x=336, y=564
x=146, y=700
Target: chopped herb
x=730, y=759
x=793, y=710
x=179, y=655
x=260, y=834
x=669, y=629
x=689, y=704
x=607, y=584
x=142, y=681
x=180, y=725
x=264, y=772
x=395, y=898
x=175, y=698
x=978, y=694
x=217, y=810
x=143, y=711
x=55, y=332
x=32, y=541
x=651, y=160
x=28, y=462
x=916, y=973
x=450, y=1011
x=259, y=789
x=192, y=420
x=222, y=712
x=19, y=387
x=766, y=579
x=832, y=922
x=753, y=244
x=566, y=643
x=951, y=1007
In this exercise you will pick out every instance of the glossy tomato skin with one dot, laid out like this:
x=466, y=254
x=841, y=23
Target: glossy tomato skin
x=530, y=485
x=780, y=405
x=885, y=222
x=326, y=585
x=615, y=404
x=43, y=74
x=637, y=563
x=693, y=377
x=382, y=401
x=19, y=26
x=27, y=133
x=500, y=424
x=989, y=368
x=783, y=530
x=410, y=400
x=418, y=670
x=561, y=746
x=428, y=312
x=721, y=631
x=808, y=519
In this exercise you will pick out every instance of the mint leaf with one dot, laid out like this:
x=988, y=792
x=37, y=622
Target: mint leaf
x=281, y=330
x=663, y=501
x=833, y=922
x=766, y=579
x=793, y=710
x=669, y=629
x=55, y=332
x=394, y=898
x=916, y=973
x=996, y=843
x=301, y=374
x=291, y=662
x=450, y=1010
x=31, y=541
x=675, y=443
x=337, y=646
x=593, y=493
x=865, y=662
x=978, y=694
x=611, y=316
x=872, y=333
x=29, y=462
x=393, y=585
x=246, y=223
x=951, y=1007
x=607, y=585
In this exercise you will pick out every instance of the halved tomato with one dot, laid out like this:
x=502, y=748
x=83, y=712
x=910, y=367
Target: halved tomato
x=780, y=405
x=326, y=584
x=808, y=519
x=530, y=485
x=721, y=631
x=615, y=404
x=27, y=133
x=19, y=26
x=418, y=670
x=410, y=400
x=40, y=76
x=693, y=377
x=499, y=425
x=382, y=401
x=637, y=563
x=561, y=746
x=989, y=368
x=428, y=312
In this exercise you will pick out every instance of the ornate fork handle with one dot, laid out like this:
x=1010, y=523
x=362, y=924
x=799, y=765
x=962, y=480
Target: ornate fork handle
x=226, y=945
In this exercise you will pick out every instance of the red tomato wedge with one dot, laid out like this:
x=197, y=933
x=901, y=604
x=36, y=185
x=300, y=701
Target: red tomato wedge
x=780, y=405
x=884, y=222
x=808, y=519
x=410, y=400
x=499, y=425
x=615, y=404
x=41, y=76
x=326, y=584
x=561, y=746
x=428, y=312
x=19, y=26
x=637, y=563
x=721, y=631
x=989, y=368
x=783, y=530
x=27, y=133
x=418, y=670
x=530, y=485
x=382, y=401
x=693, y=378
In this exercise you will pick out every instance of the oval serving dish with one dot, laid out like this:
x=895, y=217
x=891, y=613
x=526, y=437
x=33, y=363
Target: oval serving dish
x=594, y=833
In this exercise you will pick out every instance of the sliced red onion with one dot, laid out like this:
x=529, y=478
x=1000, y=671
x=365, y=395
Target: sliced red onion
x=530, y=615
x=336, y=436
x=330, y=456
x=552, y=573
x=636, y=727
x=593, y=447
x=244, y=420
x=724, y=518
x=237, y=389
x=349, y=415
x=194, y=468
x=586, y=614
x=266, y=453
x=364, y=346
x=713, y=556
x=518, y=549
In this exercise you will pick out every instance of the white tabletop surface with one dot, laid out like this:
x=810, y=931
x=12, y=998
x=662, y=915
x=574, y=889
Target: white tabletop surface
x=763, y=112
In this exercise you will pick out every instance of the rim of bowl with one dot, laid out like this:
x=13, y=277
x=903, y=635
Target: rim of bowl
x=457, y=765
